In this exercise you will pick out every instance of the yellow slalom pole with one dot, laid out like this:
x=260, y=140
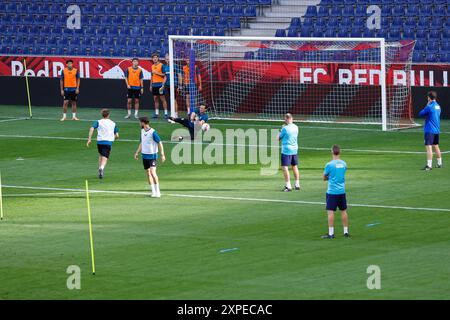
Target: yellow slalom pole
x=91, y=239
x=28, y=88
x=1, y=198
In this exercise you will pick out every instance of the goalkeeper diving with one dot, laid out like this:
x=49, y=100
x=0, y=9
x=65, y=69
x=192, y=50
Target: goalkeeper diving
x=196, y=121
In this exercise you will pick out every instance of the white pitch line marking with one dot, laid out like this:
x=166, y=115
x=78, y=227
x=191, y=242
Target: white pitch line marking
x=231, y=198
x=220, y=144
x=13, y=119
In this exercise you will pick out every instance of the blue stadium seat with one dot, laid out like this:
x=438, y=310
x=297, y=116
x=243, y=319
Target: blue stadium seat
x=394, y=34
x=446, y=34
x=359, y=22
x=227, y=11
x=250, y=11
x=180, y=9
x=311, y=11
x=367, y=33
x=321, y=22
x=238, y=11
x=235, y=23
x=191, y=10
x=203, y=10
x=305, y=31
x=434, y=34
x=308, y=22
x=426, y=10
x=210, y=21
x=168, y=9
x=431, y=57
x=296, y=22
x=409, y=33
x=336, y=11
x=397, y=22
x=223, y=22
x=318, y=32
x=183, y=31
x=323, y=11
x=398, y=10
x=433, y=46
x=280, y=33
x=386, y=11
x=215, y=10
x=219, y=32
x=348, y=11
x=356, y=33
x=361, y=11
x=410, y=22
x=343, y=32
x=208, y=32
x=424, y=22
x=292, y=33
x=333, y=22
x=440, y=11
x=346, y=22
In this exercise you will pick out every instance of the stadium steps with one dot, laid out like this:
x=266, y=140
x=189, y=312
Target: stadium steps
x=276, y=16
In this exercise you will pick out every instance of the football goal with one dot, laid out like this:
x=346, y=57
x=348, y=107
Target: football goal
x=330, y=80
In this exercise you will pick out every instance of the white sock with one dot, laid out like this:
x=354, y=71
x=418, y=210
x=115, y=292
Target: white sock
x=157, y=188
x=297, y=183
x=64, y=115
x=165, y=112
x=331, y=231
x=129, y=112
x=136, y=113
x=439, y=161
x=153, y=188
x=157, y=111
x=430, y=163
x=102, y=167
x=74, y=115
x=345, y=229
x=288, y=185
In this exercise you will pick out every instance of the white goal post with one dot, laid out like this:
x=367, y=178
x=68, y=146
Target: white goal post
x=330, y=80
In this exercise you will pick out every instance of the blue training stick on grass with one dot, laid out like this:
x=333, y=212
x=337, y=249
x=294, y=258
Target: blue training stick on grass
x=373, y=224
x=228, y=250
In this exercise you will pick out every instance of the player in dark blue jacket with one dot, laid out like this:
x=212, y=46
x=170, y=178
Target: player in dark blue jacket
x=431, y=129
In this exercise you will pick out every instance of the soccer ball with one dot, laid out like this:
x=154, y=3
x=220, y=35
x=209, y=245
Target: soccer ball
x=205, y=127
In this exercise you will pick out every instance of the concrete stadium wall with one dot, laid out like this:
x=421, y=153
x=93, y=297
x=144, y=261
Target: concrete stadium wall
x=111, y=93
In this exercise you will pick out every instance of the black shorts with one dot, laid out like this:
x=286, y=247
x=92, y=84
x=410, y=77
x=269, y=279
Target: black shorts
x=70, y=95
x=134, y=93
x=104, y=150
x=155, y=91
x=335, y=201
x=431, y=139
x=148, y=163
x=289, y=160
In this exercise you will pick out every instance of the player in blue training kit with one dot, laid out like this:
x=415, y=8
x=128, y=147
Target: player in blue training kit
x=148, y=147
x=289, y=148
x=107, y=133
x=334, y=173
x=431, y=129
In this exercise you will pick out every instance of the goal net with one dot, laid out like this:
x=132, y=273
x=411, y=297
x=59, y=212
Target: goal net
x=335, y=80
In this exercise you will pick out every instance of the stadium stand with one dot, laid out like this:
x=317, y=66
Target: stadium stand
x=138, y=28
x=115, y=27
x=426, y=21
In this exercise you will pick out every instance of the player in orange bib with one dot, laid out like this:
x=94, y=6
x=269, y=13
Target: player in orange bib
x=134, y=78
x=157, y=86
x=194, y=87
x=70, y=88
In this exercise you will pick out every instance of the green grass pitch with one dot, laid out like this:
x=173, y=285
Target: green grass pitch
x=170, y=248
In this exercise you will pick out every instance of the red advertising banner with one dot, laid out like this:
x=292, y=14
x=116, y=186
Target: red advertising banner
x=321, y=73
